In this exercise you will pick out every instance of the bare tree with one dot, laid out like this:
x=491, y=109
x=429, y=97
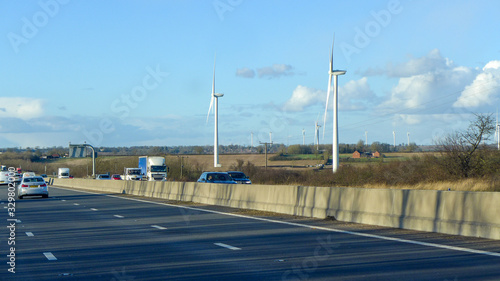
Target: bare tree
x=462, y=150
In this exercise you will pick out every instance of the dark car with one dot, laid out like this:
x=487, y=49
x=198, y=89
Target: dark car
x=216, y=177
x=239, y=177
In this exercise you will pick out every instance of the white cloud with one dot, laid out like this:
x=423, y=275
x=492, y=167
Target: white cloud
x=245, y=72
x=354, y=95
x=23, y=108
x=432, y=62
x=275, y=71
x=303, y=97
x=429, y=84
x=484, y=90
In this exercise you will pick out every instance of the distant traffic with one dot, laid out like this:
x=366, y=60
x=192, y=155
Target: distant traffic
x=150, y=168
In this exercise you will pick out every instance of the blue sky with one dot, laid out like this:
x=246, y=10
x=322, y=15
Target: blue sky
x=127, y=73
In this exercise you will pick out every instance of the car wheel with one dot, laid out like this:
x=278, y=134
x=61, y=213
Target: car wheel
x=45, y=196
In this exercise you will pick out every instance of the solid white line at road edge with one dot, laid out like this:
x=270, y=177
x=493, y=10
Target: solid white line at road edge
x=50, y=256
x=473, y=251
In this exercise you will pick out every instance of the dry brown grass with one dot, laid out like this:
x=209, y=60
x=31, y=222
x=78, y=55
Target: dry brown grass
x=228, y=160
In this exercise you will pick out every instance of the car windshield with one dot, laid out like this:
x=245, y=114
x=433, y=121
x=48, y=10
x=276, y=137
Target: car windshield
x=134, y=172
x=104, y=177
x=218, y=177
x=34, y=179
x=158, y=168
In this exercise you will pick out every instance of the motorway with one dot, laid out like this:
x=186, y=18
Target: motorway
x=75, y=235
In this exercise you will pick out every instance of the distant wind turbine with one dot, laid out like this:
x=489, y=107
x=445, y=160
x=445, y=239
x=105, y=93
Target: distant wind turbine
x=335, y=145
x=214, y=101
x=303, y=137
x=394, y=136
x=316, y=132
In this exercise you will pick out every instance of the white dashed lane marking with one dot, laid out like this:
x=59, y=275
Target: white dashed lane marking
x=159, y=227
x=227, y=246
x=50, y=256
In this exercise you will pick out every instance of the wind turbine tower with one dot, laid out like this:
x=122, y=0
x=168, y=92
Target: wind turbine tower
x=394, y=136
x=316, y=134
x=303, y=137
x=251, y=139
x=335, y=145
x=366, y=138
x=215, y=103
x=271, y=137
x=408, y=135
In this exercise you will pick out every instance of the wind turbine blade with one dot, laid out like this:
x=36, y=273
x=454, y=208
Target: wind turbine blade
x=213, y=81
x=213, y=91
x=315, y=130
x=210, y=108
x=327, y=101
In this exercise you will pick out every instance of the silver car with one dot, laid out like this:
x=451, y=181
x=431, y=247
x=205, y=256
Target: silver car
x=32, y=186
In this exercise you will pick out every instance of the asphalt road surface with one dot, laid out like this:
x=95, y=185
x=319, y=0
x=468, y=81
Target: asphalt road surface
x=76, y=235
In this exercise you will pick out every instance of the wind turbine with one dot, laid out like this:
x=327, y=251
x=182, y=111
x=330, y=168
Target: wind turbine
x=335, y=145
x=215, y=99
x=316, y=132
x=394, y=136
x=303, y=137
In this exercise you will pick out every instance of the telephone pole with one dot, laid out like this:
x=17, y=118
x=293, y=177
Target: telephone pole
x=265, y=149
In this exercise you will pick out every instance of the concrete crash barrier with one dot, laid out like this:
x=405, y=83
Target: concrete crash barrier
x=451, y=212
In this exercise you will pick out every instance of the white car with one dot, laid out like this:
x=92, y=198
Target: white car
x=103, y=177
x=4, y=175
x=32, y=186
